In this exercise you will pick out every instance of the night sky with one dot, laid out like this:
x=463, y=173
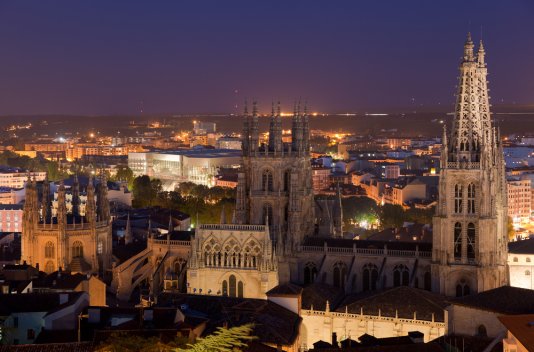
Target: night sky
x=106, y=57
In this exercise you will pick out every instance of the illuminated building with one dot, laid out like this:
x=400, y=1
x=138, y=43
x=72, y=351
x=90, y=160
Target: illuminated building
x=187, y=165
x=519, y=200
x=67, y=239
x=470, y=226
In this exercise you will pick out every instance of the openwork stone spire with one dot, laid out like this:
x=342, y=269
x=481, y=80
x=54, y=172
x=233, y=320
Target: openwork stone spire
x=471, y=129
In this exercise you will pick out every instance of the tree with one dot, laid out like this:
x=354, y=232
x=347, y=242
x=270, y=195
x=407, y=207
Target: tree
x=145, y=191
x=124, y=173
x=391, y=215
x=510, y=229
x=124, y=342
x=224, y=340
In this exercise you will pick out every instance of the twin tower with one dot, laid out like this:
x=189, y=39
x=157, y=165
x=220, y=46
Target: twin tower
x=274, y=183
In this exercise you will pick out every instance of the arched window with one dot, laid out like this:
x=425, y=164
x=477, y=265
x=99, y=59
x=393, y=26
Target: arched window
x=515, y=259
x=462, y=289
x=401, y=275
x=471, y=240
x=471, y=198
x=527, y=272
x=233, y=285
x=481, y=331
x=428, y=281
x=267, y=213
x=369, y=277
x=267, y=181
x=340, y=274
x=528, y=259
x=49, y=267
x=49, y=250
x=310, y=272
x=77, y=249
x=457, y=240
x=225, y=288
x=458, y=195
x=287, y=180
x=240, y=289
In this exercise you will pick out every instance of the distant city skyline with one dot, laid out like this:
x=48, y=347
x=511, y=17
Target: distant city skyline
x=124, y=57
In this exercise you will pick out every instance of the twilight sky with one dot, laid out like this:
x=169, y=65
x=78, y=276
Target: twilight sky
x=106, y=57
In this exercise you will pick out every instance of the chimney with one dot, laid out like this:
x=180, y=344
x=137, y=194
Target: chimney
x=334, y=339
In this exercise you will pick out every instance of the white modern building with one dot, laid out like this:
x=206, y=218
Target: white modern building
x=188, y=165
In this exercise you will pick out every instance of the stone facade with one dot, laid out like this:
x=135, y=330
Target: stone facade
x=66, y=239
x=232, y=260
x=470, y=225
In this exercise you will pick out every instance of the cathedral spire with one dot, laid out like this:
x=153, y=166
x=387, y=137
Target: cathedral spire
x=61, y=204
x=128, y=231
x=245, y=135
x=278, y=143
x=481, y=54
x=254, y=129
x=272, y=130
x=306, y=129
x=75, y=196
x=468, y=49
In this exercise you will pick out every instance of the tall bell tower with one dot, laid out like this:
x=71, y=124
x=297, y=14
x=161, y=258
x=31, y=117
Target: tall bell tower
x=470, y=225
x=274, y=183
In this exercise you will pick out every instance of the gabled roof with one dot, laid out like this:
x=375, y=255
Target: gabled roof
x=400, y=301
x=34, y=302
x=59, y=281
x=505, y=299
x=521, y=247
x=522, y=327
x=273, y=324
x=287, y=289
x=316, y=295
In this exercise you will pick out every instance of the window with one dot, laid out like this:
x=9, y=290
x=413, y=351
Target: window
x=471, y=198
x=310, y=272
x=462, y=289
x=49, y=267
x=15, y=322
x=267, y=181
x=458, y=195
x=527, y=272
x=369, y=277
x=77, y=249
x=225, y=288
x=528, y=259
x=100, y=247
x=471, y=240
x=401, y=275
x=457, y=240
x=49, y=250
x=232, y=284
x=481, y=331
x=340, y=274
x=240, y=289
x=30, y=334
x=287, y=179
x=515, y=259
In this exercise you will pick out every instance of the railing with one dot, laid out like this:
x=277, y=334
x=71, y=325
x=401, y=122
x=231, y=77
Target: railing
x=373, y=317
x=367, y=251
x=232, y=227
x=70, y=227
x=171, y=242
x=463, y=165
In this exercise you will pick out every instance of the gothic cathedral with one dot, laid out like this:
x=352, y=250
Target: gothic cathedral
x=470, y=226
